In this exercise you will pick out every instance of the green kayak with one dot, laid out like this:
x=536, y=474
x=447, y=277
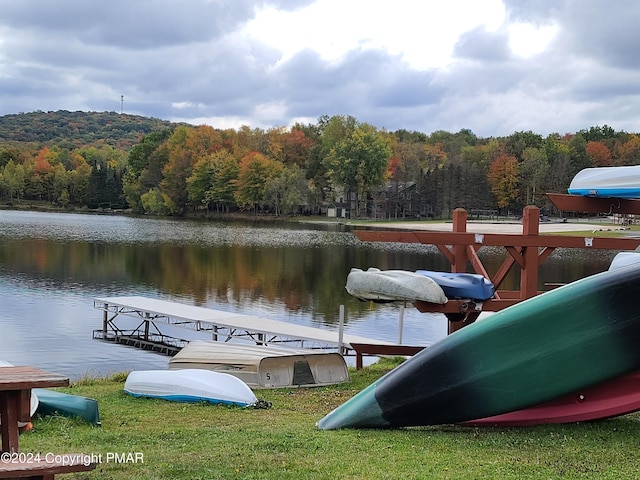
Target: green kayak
x=58, y=403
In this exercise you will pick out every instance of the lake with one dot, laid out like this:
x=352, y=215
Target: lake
x=52, y=266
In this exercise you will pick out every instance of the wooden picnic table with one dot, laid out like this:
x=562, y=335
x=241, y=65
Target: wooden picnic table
x=16, y=384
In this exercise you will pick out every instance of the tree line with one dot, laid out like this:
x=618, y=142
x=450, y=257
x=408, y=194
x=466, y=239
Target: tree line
x=339, y=161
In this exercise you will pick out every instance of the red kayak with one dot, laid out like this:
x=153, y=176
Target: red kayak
x=618, y=396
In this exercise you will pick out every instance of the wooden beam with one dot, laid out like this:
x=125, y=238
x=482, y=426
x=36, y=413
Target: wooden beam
x=464, y=306
x=502, y=240
x=580, y=203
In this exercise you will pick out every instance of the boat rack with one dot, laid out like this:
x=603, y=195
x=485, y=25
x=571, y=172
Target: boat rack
x=526, y=251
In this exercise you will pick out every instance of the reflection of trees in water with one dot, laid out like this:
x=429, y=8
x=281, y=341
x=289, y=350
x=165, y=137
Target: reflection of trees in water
x=306, y=279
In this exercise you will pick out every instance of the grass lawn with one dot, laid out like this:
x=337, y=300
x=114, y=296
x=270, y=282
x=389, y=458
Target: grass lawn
x=164, y=440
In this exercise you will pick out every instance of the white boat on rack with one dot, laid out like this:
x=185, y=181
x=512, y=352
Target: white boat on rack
x=264, y=366
x=393, y=285
x=624, y=259
x=191, y=386
x=617, y=182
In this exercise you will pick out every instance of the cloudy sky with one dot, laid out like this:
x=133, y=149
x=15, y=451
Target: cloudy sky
x=492, y=66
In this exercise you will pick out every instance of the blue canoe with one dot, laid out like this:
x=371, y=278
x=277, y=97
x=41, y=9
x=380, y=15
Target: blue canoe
x=461, y=285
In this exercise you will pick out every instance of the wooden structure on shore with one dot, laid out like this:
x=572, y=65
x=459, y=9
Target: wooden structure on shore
x=526, y=251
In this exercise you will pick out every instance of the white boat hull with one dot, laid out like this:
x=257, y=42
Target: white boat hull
x=189, y=385
x=618, y=182
x=624, y=259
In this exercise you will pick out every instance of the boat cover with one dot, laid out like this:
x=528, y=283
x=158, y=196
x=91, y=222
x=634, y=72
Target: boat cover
x=462, y=285
x=393, y=285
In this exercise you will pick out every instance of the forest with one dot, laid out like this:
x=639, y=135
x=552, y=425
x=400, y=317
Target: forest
x=106, y=160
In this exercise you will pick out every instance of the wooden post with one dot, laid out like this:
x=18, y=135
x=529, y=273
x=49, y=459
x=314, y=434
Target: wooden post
x=104, y=322
x=146, y=327
x=459, y=265
x=529, y=272
x=341, y=348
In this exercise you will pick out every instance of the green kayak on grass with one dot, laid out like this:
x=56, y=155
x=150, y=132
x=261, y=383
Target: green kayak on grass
x=58, y=403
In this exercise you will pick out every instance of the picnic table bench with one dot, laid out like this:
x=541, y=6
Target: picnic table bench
x=16, y=383
x=43, y=469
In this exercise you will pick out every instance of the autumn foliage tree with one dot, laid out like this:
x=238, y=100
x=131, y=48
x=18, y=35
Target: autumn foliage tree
x=213, y=181
x=178, y=168
x=628, y=152
x=256, y=170
x=108, y=161
x=360, y=161
x=599, y=154
x=503, y=177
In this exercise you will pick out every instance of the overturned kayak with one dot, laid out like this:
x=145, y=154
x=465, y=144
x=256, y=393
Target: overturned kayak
x=52, y=402
x=190, y=386
x=393, y=285
x=548, y=346
x=461, y=285
x=618, y=182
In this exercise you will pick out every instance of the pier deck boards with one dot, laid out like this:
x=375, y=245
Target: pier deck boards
x=222, y=324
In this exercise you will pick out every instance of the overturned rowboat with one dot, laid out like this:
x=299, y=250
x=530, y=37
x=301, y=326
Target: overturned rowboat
x=261, y=366
x=190, y=386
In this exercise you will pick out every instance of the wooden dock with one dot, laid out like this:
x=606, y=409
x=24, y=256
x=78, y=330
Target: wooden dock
x=151, y=314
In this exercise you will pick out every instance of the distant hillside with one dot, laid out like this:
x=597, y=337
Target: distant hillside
x=74, y=129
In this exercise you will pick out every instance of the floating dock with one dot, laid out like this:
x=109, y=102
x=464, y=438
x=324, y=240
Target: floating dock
x=152, y=313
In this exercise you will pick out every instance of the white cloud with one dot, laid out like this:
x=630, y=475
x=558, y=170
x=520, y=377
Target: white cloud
x=223, y=123
x=270, y=111
x=421, y=33
x=527, y=40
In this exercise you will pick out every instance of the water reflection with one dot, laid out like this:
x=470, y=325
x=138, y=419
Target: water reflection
x=53, y=265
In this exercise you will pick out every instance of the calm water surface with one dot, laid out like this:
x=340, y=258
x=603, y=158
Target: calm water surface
x=52, y=266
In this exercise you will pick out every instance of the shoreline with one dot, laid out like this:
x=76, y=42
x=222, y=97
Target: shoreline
x=473, y=226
